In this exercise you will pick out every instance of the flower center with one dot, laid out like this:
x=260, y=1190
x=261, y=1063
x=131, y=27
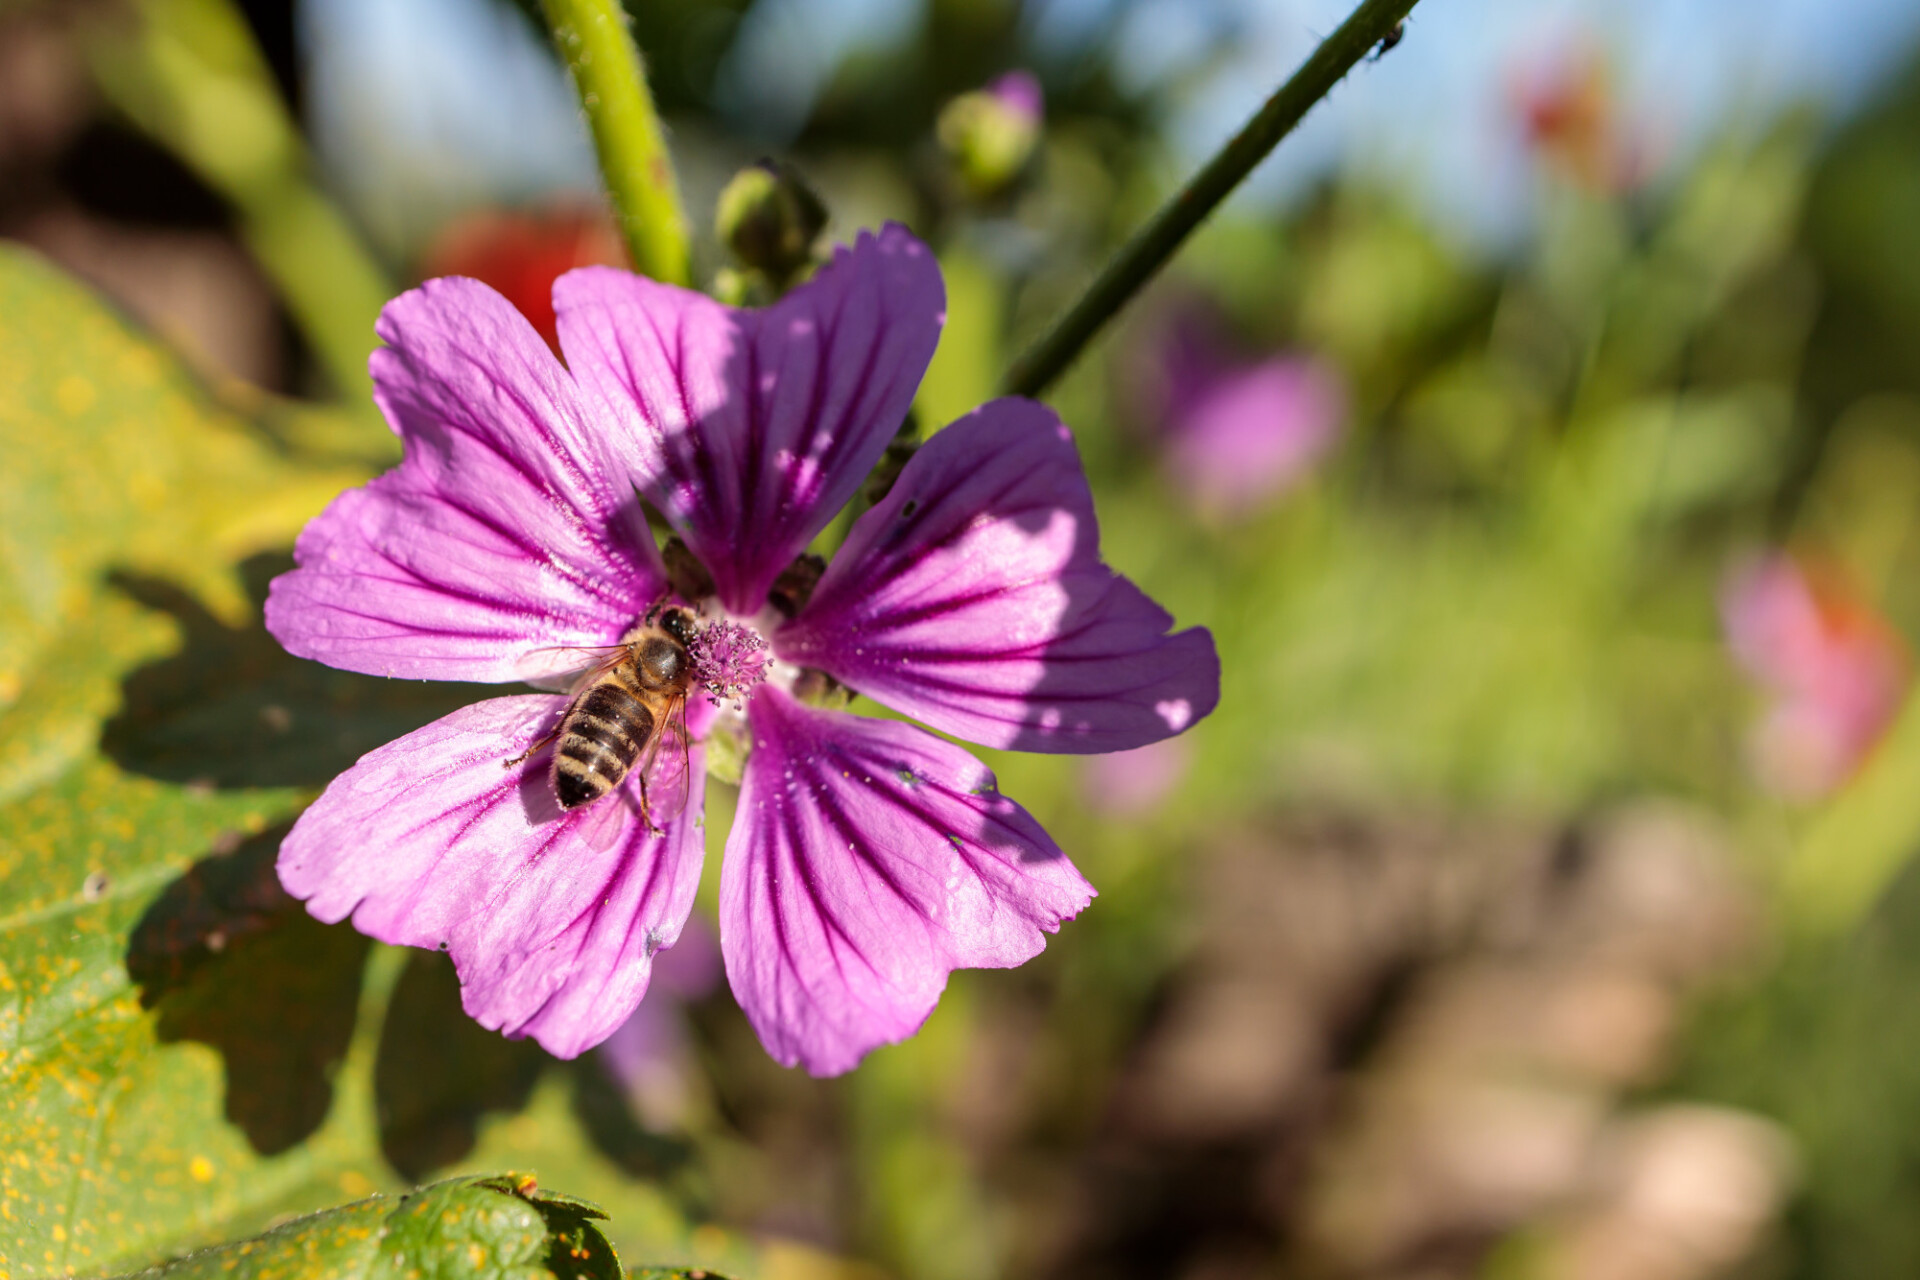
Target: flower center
x=728, y=659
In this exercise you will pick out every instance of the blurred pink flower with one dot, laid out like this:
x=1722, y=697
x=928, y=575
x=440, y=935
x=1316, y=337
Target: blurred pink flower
x=1019, y=92
x=1835, y=670
x=1127, y=784
x=649, y=1054
x=1237, y=433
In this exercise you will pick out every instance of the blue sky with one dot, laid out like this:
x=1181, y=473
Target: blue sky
x=1437, y=110
x=425, y=104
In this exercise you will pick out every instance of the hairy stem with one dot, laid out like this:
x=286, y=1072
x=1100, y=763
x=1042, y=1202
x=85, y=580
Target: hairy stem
x=611, y=80
x=1154, y=243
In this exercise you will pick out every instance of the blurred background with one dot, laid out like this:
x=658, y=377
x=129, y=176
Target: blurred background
x=1538, y=433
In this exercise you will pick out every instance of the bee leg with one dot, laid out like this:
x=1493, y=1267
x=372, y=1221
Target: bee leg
x=549, y=736
x=646, y=809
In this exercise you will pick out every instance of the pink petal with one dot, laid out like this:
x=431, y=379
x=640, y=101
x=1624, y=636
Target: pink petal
x=867, y=861
x=973, y=598
x=552, y=918
x=510, y=528
x=758, y=425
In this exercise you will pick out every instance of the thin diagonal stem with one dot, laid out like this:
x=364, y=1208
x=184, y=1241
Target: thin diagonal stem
x=1154, y=243
x=611, y=80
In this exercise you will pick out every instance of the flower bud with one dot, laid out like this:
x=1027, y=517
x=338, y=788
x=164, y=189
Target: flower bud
x=770, y=219
x=990, y=134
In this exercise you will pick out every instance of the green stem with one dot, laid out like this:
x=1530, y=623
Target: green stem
x=1154, y=243
x=611, y=80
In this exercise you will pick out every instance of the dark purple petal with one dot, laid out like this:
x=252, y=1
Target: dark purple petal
x=973, y=598
x=758, y=425
x=510, y=528
x=693, y=968
x=552, y=918
x=868, y=859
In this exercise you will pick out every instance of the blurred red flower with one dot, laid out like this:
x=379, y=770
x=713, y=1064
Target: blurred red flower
x=521, y=252
x=1573, y=122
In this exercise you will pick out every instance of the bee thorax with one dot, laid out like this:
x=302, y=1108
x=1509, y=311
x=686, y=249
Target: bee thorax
x=619, y=714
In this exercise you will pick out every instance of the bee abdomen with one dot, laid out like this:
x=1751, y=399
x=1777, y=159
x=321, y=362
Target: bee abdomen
x=599, y=744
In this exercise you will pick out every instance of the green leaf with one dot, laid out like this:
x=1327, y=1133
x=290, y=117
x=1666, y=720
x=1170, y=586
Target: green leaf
x=115, y=1146
x=186, y=1055
x=116, y=458
x=500, y=1227
x=126, y=1130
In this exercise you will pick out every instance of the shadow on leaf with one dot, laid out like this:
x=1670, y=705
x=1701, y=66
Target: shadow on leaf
x=227, y=959
x=439, y=1071
x=234, y=709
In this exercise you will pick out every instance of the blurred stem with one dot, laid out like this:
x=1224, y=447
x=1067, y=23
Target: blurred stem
x=189, y=74
x=1154, y=243
x=611, y=80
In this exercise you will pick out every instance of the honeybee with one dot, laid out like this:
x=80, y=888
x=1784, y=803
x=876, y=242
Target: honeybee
x=623, y=710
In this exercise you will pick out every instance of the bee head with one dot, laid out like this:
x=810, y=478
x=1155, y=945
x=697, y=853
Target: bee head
x=679, y=623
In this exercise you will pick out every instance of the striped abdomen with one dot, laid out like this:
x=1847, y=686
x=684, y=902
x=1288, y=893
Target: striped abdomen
x=601, y=738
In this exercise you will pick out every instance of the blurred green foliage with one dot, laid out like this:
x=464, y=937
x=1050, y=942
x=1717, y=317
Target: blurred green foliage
x=188, y=73
x=1825, y=1040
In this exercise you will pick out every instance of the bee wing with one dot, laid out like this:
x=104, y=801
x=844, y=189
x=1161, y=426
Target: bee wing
x=562, y=668
x=606, y=820
x=665, y=782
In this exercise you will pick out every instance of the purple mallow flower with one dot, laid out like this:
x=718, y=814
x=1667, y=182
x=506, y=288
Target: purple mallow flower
x=869, y=858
